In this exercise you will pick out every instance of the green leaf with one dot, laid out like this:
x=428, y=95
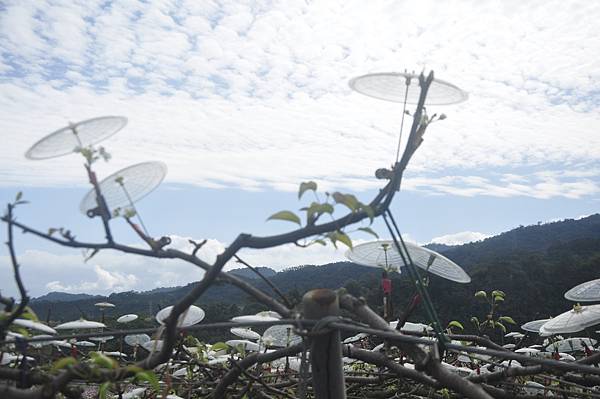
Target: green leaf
x=219, y=346
x=507, y=319
x=341, y=237
x=369, y=211
x=475, y=321
x=103, y=361
x=498, y=293
x=149, y=377
x=317, y=209
x=285, y=215
x=19, y=196
x=498, y=298
x=318, y=241
x=501, y=326
x=369, y=231
x=102, y=391
x=456, y=324
x=64, y=363
x=29, y=314
x=307, y=185
x=348, y=200
x=480, y=294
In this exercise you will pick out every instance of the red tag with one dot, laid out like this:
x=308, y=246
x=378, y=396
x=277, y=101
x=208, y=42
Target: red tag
x=386, y=284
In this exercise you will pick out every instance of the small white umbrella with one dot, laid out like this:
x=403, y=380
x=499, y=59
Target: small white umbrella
x=585, y=292
x=102, y=339
x=412, y=327
x=153, y=345
x=85, y=343
x=382, y=254
x=574, y=320
x=280, y=336
x=571, y=344
x=355, y=338
x=104, y=305
x=245, y=333
x=80, y=324
x=127, y=318
x=136, y=339
x=253, y=318
x=534, y=325
x=193, y=315
x=248, y=345
x=34, y=325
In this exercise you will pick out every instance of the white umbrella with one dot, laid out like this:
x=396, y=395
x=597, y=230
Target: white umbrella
x=127, y=318
x=534, y=325
x=34, y=325
x=355, y=338
x=509, y=346
x=576, y=319
x=585, y=292
x=412, y=327
x=81, y=134
x=571, y=344
x=269, y=313
x=193, y=315
x=104, y=305
x=85, y=343
x=281, y=336
x=136, y=339
x=253, y=318
x=152, y=345
x=80, y=324
x=133, y=394
x=245, y=333
x=527, y=351
x=382, y=254
x=248, y=345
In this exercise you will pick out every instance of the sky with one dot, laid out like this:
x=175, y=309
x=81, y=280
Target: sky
x=245, y=100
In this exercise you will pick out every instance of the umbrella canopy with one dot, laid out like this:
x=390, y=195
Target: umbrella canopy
x=280, y=336
x=80, y=324
x=576, y=319
x=412, y=327
x=127, y=318
x=136, y=339
x=81, y=134
x=401, y=87
x=248, y=345
x=193, y=315
x=245, y=333
x=585, y=292
x=104, y=305
x=383, y=254
x=153, y=345
x=571, y=345
x=534, y=325
x=85, y=343
x=126, y=186
x=254, y=317
x=34, y=325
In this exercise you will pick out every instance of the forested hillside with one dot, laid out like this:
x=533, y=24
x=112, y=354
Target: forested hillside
x=534, y=265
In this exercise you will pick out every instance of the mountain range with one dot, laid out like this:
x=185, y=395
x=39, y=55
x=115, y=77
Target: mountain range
x=534, y=266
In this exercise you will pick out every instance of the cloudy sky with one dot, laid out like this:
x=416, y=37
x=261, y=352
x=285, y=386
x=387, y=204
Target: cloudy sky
x=245, y=100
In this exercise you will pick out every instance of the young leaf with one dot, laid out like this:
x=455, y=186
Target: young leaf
x=369, y=211
x=368, y=230
x=285, y=215
x=456, y=324
x=103, y=360
x=219, y=346
x=501, y=326
x=498, y=298
x=348, y=200
x=498, y=293
x=306, y=185
x=507, y=319
x=19, y=196
x=343, y=238
x=480, y=294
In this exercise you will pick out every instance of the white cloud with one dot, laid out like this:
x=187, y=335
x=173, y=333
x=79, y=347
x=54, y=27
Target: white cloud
x=111, y=271
x=462, y=237
x=223, y=92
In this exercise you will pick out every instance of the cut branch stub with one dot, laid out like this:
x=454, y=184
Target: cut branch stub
x=326, y=347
